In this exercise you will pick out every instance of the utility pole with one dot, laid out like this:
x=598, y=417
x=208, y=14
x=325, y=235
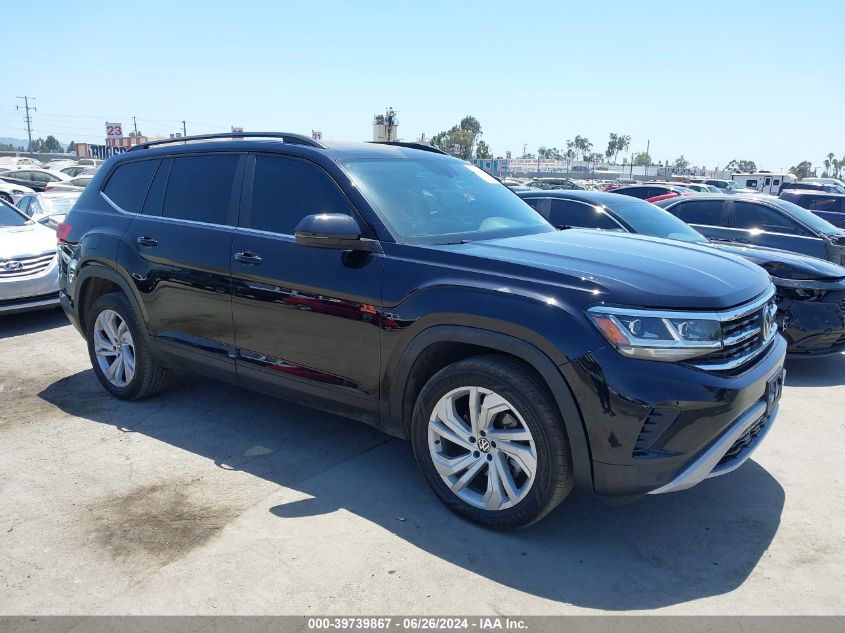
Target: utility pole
x=27, y=118
x=524, y=148
x=184, y=132
x=135, y=125
x=647, y=156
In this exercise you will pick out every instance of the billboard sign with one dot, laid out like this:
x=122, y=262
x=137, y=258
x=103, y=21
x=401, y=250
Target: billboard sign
x=114, y=130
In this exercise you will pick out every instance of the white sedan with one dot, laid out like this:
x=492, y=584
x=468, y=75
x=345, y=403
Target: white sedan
x=29, y=273
x=11, y=192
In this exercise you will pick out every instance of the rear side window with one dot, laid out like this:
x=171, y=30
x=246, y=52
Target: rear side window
x=578, y=214
x=639, y=192
x=707, y=212
x=285, y=190
x=816, y=203
x=128, y=184
x=200, y=188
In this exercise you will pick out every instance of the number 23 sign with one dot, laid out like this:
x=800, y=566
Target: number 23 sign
x=114, y=130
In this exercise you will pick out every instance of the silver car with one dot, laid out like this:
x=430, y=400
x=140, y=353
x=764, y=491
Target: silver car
x=29, y=273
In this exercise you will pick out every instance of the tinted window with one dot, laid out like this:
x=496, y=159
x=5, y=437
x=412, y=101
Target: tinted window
x=823, y=204
x=155, y=195
x=707, y=212
x=200, y=188
x=757, y=216
x=285, y=190
x=540, y=204
x=128, y=184
x=579, y=214
x=639, y=192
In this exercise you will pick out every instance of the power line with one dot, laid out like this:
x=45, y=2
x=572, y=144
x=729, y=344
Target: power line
x=27, y=117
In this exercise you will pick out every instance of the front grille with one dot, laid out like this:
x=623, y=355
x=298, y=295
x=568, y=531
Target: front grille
x=746, y=333
x=744, y=441
x=19, y=267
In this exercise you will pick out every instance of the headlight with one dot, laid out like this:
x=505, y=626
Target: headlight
x=654, y=335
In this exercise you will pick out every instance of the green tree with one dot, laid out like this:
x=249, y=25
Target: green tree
x=464, y=136
x=804, y=169
x=616, y=143
x=550, y=153
x=748, y=166
x=681, y=162
x=482, y=150
x=52, y=144
x=643, y=158
x=71, y=147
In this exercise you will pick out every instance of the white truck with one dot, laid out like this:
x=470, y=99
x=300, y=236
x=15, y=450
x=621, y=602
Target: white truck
x=763, y=181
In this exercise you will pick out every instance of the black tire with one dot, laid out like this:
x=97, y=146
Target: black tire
x=514, y=381
x=149, y=378
x=6, y=197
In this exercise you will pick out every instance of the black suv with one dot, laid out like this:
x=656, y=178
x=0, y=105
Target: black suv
x=408, y=289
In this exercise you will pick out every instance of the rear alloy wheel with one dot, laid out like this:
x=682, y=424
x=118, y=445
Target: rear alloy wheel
x=114, y=348
x=489, y=463
x=118, y=349
x=489, y=439
x=5, y=197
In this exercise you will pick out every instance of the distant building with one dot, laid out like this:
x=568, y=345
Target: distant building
x=386, y=126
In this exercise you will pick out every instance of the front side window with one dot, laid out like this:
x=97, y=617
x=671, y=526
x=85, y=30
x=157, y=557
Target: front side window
x=580, y=214
x=757, y=216
x=440, y=200
x=285, y=190
x=200, y=188
x=128, y=184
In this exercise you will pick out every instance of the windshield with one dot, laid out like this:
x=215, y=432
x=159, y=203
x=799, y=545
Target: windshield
x=53, y=206
x=442, y=201
x=648, y=219
x=10, y=217
x=807, y=217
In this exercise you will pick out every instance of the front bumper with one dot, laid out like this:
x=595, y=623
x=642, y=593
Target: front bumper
x=657, y=427
x=32, y=292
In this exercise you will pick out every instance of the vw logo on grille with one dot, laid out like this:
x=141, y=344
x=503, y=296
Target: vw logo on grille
x=768, y=321
x=12, y=266
x=483, y=444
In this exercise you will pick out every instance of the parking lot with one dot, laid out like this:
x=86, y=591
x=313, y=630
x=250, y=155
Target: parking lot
x=213, y=500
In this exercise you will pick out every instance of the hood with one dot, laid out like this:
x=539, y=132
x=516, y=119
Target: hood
x=21, y=241
x=625, y=269
x=784, y=264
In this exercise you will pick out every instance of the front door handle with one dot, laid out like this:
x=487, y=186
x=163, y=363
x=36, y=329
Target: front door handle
x=147, y=241
x=248, y=258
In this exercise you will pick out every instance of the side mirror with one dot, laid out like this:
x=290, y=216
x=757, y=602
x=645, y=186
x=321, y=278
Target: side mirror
x=332, y=230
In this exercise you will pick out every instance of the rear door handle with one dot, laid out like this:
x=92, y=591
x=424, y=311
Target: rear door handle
x=248, y=258
x=147, y=241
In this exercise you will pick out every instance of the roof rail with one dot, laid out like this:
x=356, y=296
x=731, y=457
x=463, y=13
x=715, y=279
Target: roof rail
x=420, y=146
x=286, y=137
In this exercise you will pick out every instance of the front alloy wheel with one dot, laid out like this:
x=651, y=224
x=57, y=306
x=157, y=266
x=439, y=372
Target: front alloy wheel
x=114, y=348
x=482, y=448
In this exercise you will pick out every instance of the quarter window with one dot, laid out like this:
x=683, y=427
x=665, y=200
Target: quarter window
x=285, y=190
x=200, y=188
x=128, y=184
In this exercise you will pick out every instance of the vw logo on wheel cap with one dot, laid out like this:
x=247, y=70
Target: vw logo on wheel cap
x=12, y=265
x=483, y=444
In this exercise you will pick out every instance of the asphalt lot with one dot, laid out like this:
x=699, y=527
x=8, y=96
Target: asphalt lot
x=214, y=500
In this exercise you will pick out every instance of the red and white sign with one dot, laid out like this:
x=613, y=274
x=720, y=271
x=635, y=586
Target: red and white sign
x=114, y=130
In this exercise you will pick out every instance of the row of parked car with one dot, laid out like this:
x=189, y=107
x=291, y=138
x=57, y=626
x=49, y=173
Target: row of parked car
x=34, y=198
x=410, y=290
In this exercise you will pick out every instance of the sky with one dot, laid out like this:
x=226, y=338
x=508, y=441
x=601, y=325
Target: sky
x=713, y=80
